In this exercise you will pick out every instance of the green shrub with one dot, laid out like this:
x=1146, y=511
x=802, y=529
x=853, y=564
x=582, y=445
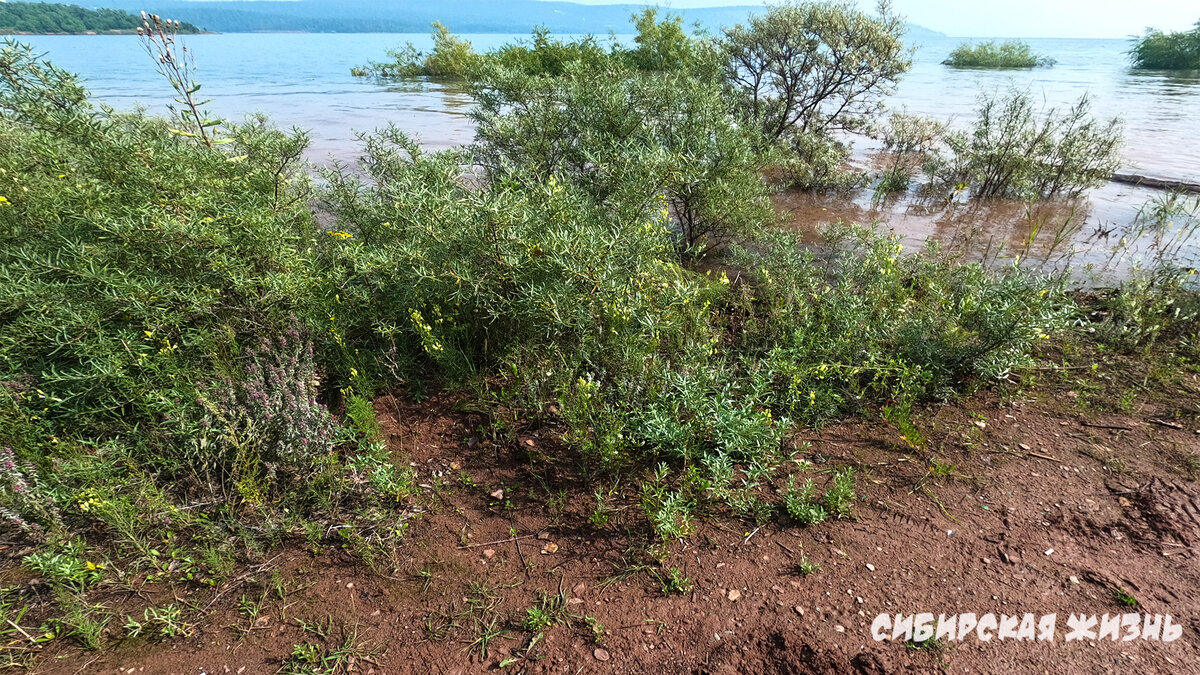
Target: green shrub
x=662, y=144
x=1014, y=151
x=1153, y=305
x=867, y=323
x=1005, y=55
x=451, y=58
x=1157, y=50
x=839, y=498
x=802, y=505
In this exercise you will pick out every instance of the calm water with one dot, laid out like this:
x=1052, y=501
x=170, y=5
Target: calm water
x=304, y=80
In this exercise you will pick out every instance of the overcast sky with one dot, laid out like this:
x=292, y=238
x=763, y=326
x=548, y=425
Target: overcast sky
x=1019, y=18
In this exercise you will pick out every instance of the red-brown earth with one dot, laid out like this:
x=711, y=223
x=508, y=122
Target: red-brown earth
x=1034, y=506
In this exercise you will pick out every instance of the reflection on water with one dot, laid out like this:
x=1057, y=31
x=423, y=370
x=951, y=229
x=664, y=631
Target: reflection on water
x=1100, y=240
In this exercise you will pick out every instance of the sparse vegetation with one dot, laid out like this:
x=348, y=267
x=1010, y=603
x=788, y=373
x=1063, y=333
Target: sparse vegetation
x=1009, y=54
x=1014, y=150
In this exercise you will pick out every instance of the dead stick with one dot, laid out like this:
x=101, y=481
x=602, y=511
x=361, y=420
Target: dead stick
x=501, y=541
x=1106, y=426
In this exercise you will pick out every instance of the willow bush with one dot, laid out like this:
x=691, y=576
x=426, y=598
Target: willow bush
x=1010, y=54
x=1158, y=50
x=1014, y=150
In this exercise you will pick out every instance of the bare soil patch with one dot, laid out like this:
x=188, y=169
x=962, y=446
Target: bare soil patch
x=1041, y=510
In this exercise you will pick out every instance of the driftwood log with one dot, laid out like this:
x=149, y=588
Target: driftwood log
x=1146, y=181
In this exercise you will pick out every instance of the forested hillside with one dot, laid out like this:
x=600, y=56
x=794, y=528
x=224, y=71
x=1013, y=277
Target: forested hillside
x=49, y=18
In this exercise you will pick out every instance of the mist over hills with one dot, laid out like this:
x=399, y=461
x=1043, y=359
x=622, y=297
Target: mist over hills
x=414, y=16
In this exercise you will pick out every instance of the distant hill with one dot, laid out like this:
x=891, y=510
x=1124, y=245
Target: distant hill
x=43, y=18
x=414, y=16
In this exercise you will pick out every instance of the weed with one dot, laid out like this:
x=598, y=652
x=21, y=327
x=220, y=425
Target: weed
x=807, y=567
x=1126, y=599
x=67, y=566
x=161, y=622
x=941, y=469
x=674, y=582
x=551, y=609
x=802, y=505
x=596, y=628
x=488, y=629
x=839, y=498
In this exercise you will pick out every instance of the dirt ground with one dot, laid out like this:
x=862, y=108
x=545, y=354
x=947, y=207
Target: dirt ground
x=1036, y=508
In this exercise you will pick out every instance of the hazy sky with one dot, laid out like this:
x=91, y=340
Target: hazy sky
x=1019, y=18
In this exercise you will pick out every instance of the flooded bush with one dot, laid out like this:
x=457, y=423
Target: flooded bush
x=451, y=58
x=1157, y=50
x=660, y=45
x=1014, y=150
x=1005, y=55
x=909, y=140
x=801, y=72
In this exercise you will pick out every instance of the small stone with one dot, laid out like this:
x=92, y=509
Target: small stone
x=489, y=552
x=550, y=548
x=870, y=567
x=734, y=595
x=1073, y=579
x=1024, y=447
x=601, y=654
x=981, y=424
x=498, y=494
x=1049, y=551
x=840, y=629
x=859, y=600
x=543, y=535
x=1124, y=502
x=799, y=610
x=529, y=442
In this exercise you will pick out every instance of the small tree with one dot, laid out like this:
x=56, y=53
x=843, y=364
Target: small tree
x=814, y=67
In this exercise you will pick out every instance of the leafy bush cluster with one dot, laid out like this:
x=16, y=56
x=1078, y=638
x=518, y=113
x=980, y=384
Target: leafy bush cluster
x=659, y=46
x=797, y=74
x=1005, y=55
x=1157, y=50
x=150, y=288
x=1013, y=150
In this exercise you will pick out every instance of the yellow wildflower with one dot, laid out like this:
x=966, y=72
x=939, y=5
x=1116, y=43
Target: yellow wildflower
x=341, y=234
x=4, y=201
